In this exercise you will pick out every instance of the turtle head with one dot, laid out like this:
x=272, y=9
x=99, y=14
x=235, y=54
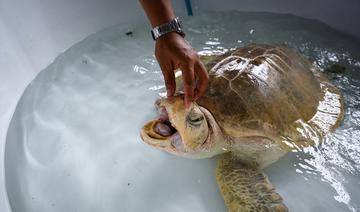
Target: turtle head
x=189, y=132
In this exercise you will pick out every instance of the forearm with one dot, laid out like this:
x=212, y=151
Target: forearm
x=158, y=11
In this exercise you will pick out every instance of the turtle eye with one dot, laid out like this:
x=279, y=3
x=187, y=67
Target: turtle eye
x=195, y=119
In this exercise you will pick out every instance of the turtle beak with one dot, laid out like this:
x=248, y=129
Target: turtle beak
x=149, y=136
x=159, y=132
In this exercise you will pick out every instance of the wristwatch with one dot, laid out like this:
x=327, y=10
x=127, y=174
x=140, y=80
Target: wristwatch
x=171, y=26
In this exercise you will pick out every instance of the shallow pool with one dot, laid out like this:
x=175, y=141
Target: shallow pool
x=74, y=145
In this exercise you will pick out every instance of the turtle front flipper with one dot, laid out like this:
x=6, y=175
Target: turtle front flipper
x=246, y=188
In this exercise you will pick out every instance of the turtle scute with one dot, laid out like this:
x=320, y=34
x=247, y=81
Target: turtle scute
x=271, y=85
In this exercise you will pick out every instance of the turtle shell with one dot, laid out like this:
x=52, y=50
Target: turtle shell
x=273, y=92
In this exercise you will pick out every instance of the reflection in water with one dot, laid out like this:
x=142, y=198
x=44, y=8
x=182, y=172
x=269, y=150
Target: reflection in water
x=320, y=162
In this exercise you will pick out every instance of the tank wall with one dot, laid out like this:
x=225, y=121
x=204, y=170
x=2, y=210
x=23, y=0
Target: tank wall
x=343, y=15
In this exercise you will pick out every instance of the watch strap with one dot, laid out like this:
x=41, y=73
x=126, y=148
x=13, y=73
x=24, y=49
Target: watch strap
x=171, y=26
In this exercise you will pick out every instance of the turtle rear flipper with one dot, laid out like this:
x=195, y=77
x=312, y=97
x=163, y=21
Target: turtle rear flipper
x=246, y=188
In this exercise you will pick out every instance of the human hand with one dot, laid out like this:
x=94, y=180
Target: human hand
x=173, y=52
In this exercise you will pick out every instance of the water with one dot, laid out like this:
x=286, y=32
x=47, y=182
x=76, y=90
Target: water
x=74, y=145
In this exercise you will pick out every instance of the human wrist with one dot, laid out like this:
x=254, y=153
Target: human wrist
x=158, y=20
x=169, y=36
x=168, y=40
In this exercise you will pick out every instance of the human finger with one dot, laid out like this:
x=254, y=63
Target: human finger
x=169, y=78
x=203, y=79
x=189, y=83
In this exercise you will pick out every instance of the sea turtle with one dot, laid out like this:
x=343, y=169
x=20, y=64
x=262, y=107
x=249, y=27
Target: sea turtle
x=262, y=102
